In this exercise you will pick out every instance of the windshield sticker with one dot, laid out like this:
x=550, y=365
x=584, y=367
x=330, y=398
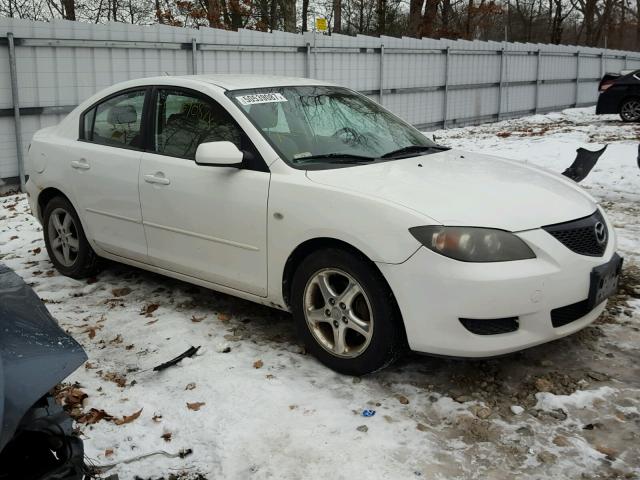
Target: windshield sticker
x=261, y=98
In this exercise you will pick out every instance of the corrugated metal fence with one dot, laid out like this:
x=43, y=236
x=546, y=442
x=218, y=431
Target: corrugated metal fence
x=432, y=83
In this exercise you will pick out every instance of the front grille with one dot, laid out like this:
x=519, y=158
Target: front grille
x=492, y=326
x=580, y=235
x=569, y=313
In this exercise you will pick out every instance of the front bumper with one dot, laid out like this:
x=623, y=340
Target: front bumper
x=434, y=292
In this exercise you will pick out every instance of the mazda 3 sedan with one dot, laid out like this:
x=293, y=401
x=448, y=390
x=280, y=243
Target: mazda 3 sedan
x=312, y=198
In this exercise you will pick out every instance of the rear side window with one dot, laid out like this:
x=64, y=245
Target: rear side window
x=116, y=121
x=184, y=121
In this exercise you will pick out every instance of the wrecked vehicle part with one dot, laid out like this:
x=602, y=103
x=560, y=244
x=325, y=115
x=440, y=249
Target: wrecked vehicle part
x=190, y=352
x=583, y=164
x=35, y=355
x=44, y=447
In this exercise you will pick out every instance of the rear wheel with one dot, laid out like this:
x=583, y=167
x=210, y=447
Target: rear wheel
x=630, y=110
x=66, y=242
x=345, y=312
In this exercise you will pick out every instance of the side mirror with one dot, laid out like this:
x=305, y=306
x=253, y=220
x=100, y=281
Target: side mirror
x=219, y=154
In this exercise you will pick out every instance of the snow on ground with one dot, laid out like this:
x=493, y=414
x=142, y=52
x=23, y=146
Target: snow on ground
x=270, y=411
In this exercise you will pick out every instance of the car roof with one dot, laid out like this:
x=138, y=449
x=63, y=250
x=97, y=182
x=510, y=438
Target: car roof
x=240, y=81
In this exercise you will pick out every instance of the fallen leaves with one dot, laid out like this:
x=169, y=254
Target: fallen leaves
x=148, y=309
x=128, y=418
x=36, y=251
x=108, y=452
x=116, y=378
x=403, y=400
x=196, y=319
x=190, y=386
x=166, y=436
x=71, y=396
x=120, y=292
x=195, y=405
x=91, y=330
x=224, y=317
x=93, y=416
x=258, y=364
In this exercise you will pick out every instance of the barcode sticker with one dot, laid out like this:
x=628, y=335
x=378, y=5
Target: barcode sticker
x=261, y=98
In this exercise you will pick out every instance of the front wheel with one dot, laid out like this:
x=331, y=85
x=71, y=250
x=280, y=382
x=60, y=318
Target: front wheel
x=345, y=312
x=630, y=110
x=66, y=242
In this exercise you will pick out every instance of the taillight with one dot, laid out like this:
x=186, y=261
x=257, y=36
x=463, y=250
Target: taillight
x=605, y=85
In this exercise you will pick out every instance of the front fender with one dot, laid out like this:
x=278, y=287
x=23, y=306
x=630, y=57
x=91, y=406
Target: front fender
x=301, y=210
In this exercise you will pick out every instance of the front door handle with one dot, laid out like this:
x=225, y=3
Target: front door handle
x=80, y=164
x=158, y=178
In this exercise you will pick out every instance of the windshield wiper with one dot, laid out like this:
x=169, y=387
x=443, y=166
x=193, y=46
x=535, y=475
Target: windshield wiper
x=413, y=149
x=333, y=157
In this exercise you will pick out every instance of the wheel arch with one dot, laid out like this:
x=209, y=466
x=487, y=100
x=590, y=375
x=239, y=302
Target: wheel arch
x=48, y=194
x=306, y=248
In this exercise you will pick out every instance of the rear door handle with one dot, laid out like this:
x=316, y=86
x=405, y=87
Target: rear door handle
x=158, y=178
x=80, y=164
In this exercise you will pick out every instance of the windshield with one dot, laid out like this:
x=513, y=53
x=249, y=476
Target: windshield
x=320, y=124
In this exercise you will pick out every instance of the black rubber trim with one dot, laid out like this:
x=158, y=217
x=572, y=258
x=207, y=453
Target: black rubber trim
x=492, y=326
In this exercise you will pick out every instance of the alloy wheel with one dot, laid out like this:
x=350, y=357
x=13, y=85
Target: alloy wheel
x=338, y=313
x=630, y=110
x=63, y=237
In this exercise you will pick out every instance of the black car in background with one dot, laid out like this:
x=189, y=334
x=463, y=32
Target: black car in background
x=620, y=93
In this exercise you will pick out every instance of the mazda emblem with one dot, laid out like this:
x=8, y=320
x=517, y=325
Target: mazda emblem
x=601, y=233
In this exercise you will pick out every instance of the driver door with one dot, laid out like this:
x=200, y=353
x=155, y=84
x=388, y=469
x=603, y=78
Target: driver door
x=206, y=222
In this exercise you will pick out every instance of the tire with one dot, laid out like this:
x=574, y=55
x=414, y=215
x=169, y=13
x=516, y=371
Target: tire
x=71, y=256
x=630, y=110
x=355, y=337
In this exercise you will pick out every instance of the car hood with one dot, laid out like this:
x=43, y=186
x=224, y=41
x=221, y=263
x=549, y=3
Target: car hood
x=470, y=189
x=35, y=353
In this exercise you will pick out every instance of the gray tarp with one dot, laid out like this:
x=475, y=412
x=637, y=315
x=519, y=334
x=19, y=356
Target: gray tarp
x=35, y=353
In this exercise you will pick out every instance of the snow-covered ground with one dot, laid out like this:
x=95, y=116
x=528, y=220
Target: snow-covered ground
x=569, y=409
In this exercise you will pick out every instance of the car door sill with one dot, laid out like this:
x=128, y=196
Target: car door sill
x=263, y=300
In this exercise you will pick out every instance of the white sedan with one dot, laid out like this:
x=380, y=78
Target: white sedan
x=312, y=198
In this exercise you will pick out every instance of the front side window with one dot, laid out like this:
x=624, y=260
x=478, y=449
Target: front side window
x=117, y=121
x=184, y=121
x=322, y=124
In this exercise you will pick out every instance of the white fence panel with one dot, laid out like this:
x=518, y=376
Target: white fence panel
x=431, y=83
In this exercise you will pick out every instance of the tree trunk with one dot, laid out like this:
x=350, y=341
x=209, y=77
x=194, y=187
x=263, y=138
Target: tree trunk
x=273, y=15
x=637, y=24
x=213, y=13
x=429, y=17
x=337, y=16
x=69, y=9
x=305, y=13
x=467, y=27
x=289, y=15
x=381, y=14
x=415, y=17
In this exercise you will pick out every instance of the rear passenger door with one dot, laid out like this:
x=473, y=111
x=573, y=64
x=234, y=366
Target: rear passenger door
x=207, y=222
x=104, y=165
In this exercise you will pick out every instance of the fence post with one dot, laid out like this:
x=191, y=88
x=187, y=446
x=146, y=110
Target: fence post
x=194, y=60
x=501, y=82
x=381, y=72
x=16, y=108
x=445, y=102
x=602, y=67
x=537, y=93
x=626, y=62
x=575, y=104
x=308, y=60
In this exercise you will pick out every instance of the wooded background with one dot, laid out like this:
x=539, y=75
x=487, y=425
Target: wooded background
x=603, y=23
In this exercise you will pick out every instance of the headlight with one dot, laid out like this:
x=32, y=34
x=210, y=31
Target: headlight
x=472, y=244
